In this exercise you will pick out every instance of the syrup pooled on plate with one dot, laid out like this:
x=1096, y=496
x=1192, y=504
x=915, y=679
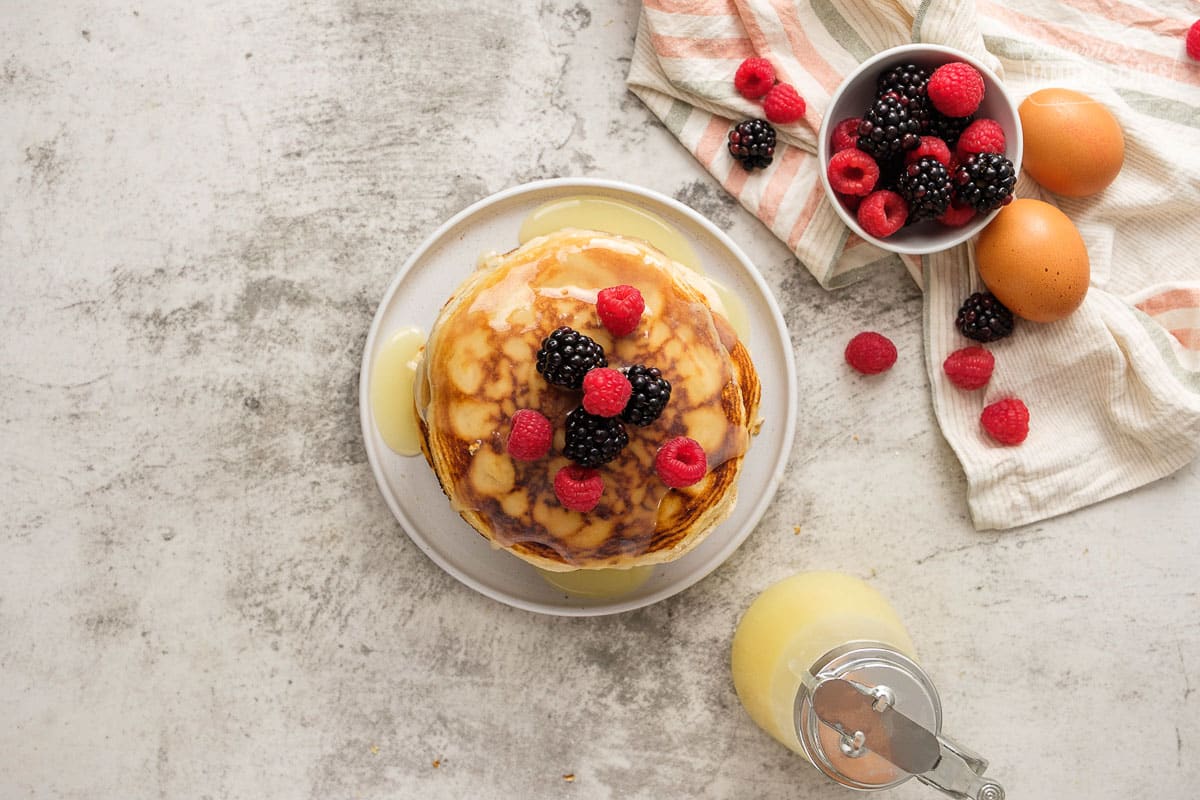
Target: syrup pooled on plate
x=735, y=310
x=612, y=216
x=598, y=584
x=392, y=391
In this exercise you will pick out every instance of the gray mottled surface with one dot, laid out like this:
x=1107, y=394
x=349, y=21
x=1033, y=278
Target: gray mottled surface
x=202, y=594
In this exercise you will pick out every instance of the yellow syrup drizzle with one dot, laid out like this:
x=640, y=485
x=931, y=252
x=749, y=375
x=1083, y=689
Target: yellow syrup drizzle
x=392, y=391
x=611, y=216
x=598, y=584
x=615, y=216
x=735, y=310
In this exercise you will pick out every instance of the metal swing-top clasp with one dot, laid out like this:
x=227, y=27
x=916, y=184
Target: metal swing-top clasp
x=849, y=696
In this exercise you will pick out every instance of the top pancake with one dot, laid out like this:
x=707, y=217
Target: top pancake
x=477, y=370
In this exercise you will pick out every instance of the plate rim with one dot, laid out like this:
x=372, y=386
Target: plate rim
x=777, y=471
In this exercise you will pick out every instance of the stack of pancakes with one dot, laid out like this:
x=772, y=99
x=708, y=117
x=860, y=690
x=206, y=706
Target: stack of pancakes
x=477, y=370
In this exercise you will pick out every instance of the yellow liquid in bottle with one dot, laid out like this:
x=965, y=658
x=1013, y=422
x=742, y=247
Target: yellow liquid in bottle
x=791, y=625
x=611, y=216
x=392, y=391
x=598, y=583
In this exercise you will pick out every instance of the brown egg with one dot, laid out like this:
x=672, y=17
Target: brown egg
x=1073, y=145
x=1032, y=258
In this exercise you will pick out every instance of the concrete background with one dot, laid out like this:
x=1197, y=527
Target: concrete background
x=202, y=594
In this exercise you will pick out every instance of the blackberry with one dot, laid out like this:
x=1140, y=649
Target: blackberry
x=906, y=80
x=752, y=143
x=887, y=129
x=948, y=129
x=985, y=181
x=984, y=318
x=651, y=391
x=566, y=356
x=889, y=173
x=925, y=184
x=591, y=440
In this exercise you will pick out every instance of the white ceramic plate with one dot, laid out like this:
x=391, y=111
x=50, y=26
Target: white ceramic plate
x=409, y=486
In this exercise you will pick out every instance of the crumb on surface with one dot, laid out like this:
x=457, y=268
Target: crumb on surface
x=569, y=777
x=437, y=762
x=796, y=529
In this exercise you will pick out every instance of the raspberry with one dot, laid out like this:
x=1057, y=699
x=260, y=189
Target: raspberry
x=882, y=213
x=783, y=105
x=620, y=308
x=681, y=462
x=852, y=172
x=930, y=146
x=754, y=78
x=530, y=435
x=1193, y=40
x=981, y=136
x=969, y=368
x=955, y=89
x=1006, y=421
x=845, y=134
x=956, y=216
x=605, y=392
x=578, y=488
x=871, y=353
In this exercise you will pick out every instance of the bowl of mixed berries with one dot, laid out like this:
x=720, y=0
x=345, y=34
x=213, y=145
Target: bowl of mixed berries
x=920, y=147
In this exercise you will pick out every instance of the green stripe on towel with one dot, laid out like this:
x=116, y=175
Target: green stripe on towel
x=677, y=117
x=841, y=30
x=919, y=20
x=1161, y=107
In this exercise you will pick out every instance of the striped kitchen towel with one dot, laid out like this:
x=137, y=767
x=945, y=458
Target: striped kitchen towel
x=1113, y=390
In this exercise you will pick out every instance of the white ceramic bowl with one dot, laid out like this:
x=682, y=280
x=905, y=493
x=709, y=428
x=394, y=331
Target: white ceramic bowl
x=854, y=97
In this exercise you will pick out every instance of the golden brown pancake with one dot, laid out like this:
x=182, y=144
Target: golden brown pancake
x=478, y=368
